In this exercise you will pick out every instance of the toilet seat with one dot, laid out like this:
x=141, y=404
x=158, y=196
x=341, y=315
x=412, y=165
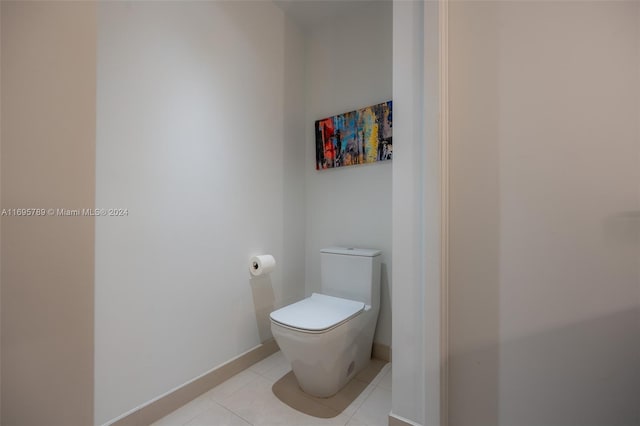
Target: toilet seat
x=317, y=314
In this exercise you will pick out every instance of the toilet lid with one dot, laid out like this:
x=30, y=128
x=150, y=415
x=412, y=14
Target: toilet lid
x=317, y=313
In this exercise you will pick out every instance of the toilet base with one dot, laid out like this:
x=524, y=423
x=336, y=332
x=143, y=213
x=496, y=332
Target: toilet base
x=324, y=363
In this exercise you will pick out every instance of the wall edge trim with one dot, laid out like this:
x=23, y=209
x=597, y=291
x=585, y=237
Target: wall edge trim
x=443, y=56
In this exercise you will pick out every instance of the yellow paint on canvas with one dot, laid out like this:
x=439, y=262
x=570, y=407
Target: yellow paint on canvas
x=371, y=139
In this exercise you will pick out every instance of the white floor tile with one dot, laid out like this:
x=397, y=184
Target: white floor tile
x=257, y=404
x=217, y=416
x=247, y=399
x=272, y=361
x=351, y=409
x=381, y=374
x=276, y=373
x=185, y=413
x=385, y=382
x=223, y=390
x=356, y=422
x=374, y=411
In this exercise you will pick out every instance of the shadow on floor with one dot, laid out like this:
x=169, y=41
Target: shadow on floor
x=288, y=391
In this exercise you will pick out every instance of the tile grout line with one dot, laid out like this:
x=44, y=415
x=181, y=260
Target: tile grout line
x=211, y=400
x=234, y=413
x=195, y=415
x=355, y=410
x=370, y=393
x=382, y=378
x=235, y=392
x=377, y=379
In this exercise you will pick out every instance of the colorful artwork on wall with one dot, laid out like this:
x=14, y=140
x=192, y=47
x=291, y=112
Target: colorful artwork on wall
x=356, y=137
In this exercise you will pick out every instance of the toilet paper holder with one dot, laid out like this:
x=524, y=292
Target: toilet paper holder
x=260, y=265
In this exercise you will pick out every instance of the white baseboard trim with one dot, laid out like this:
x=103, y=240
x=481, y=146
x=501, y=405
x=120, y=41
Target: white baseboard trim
x=395, y=420
x=164, y=404
x=381, y=351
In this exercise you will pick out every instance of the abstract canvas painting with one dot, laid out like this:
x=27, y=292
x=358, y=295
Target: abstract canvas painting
x=356, y=137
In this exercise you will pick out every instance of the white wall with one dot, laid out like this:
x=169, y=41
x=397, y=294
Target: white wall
x=545, y=213
x=417, y=207
x=408, y=381
x=349, y=66
x=198, y=136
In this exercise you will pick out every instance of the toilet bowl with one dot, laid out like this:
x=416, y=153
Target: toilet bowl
x=327, y=337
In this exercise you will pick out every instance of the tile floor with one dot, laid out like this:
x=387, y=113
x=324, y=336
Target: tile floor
x=247, y=399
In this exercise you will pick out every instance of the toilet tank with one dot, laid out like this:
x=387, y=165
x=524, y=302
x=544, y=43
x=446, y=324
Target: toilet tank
x=351, y=273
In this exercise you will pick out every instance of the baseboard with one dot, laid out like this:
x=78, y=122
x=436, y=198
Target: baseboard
x=160, y=407
x=381, y=351
x=395, y=420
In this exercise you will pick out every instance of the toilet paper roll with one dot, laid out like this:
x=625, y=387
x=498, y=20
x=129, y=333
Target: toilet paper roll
x=260, y=265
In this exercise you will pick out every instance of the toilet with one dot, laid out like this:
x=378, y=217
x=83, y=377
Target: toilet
x=327, y=337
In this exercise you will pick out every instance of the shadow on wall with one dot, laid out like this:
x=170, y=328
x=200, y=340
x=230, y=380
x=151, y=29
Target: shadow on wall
x=385, y=299
x=584, y=374
x=263, y=302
